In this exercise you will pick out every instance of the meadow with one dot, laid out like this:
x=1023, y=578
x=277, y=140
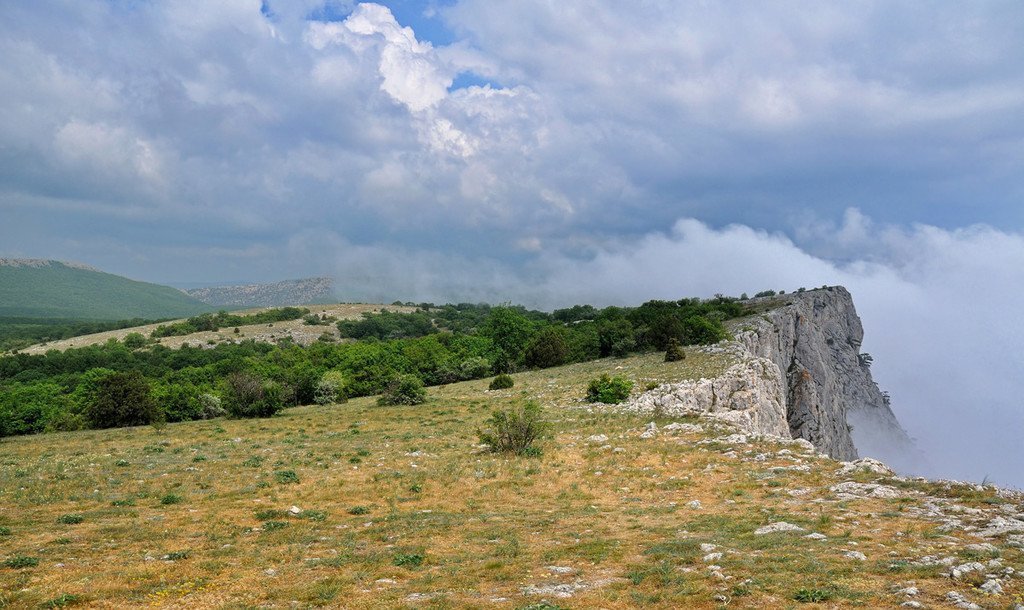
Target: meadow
x=356, y=505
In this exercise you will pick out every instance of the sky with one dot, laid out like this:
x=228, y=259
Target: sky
x=550, y=153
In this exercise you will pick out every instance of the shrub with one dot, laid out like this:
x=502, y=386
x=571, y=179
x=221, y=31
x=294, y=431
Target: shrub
x=675, y=352
x=121, y=399
x=134, y=341
x=70, y=519
x=286, y=476
x=330, y=389
x=547, y=348
x=474, y=368
x=404, y=390
x=210, y=407
x=514, y=430
x=169, y=499
x=21, y=561
x=609, y=390
x=409, y=560
x=251, y=396
x=359, y=510
x=502, y=382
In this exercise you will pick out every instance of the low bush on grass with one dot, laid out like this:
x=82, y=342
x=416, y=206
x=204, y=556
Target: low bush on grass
x=514, y=430
x=502, y=382
x=403, y=390
x=21, y=561
x=609, y=390
x=674, y=352
x=286, y=476
x=70, y=519
x=408, y=560
x=169, y=499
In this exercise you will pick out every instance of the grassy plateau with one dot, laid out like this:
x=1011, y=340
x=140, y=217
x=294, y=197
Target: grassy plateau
x=356, y=505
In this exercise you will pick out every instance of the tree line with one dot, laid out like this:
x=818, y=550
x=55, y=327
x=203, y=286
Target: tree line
x=118, y=384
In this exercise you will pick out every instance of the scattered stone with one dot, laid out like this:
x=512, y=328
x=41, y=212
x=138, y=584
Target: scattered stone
x=984, y=547
x=681, y=427
x=270, y=572
x=855, y=555
x=597, y=438
x=909, y=591
x=816, y=536
x=694, y=504
x=295, y=510
x=560, y=569
x=419, y=597
x=911, y=604
x=1000, y=526
x=958, y=600
x=707, y=548
x=966, y=568
x=650, y=431
x=561, y=591
x=778, y=526
x=864, y=465
x=851, y=490
x=992, y=587
x=386, y=581
x=712, y=557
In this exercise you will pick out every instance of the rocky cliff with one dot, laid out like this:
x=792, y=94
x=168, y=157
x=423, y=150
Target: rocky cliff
x=799, y=373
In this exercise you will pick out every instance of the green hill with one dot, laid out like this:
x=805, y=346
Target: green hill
x=52, y=289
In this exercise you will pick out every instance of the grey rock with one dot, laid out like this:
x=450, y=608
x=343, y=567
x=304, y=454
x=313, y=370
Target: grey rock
x=966, y=568
x=597, y=438
x=850, y=490
x=778, y=526
x=992, y=587
x=958, y=600
x=857, y=555
x=798, y=374
x=864, y=465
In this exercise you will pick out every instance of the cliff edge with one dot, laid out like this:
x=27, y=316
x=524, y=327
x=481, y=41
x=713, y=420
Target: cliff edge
x=798, y=374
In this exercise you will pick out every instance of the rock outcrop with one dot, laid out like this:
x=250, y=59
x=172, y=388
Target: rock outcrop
x=799, y=374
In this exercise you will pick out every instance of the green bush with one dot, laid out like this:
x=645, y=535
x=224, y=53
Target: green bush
x=609, y=390
x=474, y=368
x=250, y=396
x=675, y=352
x=409, y=560
x=210, y=406
x=404, y=390
x=547, y=348
x=21, y=561
x=121, y=399
x=502, y=382
x=330, y=389
x=514, y=430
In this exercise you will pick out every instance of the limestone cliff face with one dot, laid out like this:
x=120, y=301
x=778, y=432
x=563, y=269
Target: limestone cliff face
x=799, y=374
x=814, y=338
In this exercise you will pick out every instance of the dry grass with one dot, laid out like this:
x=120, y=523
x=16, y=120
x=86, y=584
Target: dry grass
x=296, y=330
x=402, y=510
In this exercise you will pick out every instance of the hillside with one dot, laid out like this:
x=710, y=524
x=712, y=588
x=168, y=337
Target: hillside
x=54, y=289
x=360, y=506
x=289, y=292
x=298, y=331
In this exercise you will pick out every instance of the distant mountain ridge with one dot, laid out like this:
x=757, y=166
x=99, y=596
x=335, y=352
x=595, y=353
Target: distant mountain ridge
x=43, y=288
x=288, y=292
